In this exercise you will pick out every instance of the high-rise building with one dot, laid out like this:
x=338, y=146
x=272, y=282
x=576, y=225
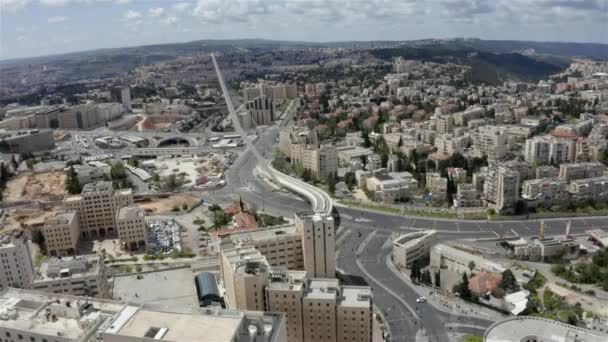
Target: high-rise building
x=490, y=141
x=122, y=95
x=549, y=150
x=61, y=234
x=97, y=206
x=261, y=110
x=317, y=309
x=507, y=189
x=16, y=267
x=318, y=244
x=320, y=160
x=131, y=227
x=245, y=273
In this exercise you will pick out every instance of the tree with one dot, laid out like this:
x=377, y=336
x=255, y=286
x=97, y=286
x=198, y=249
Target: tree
x=118, y=171
x=508, y=282
x=72, y=184
x=366, y=141
x=350, y=180
x=331, y=184
x=472, y=265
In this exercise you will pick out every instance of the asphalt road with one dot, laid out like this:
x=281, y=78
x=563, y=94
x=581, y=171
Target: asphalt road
x=366, y=256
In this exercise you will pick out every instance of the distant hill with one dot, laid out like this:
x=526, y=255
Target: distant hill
x=486, y=67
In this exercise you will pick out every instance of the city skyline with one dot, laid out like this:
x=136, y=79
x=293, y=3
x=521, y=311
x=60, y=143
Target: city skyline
x=32, y=28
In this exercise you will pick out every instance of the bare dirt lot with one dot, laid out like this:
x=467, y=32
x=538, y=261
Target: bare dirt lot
x=24, y=218
x=38, y=187
x=166, y=205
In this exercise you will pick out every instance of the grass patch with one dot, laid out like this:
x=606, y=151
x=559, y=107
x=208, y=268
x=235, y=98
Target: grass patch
x=473, y=338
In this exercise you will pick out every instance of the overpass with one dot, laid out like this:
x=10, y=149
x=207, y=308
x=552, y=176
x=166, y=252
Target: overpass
x=167, y=151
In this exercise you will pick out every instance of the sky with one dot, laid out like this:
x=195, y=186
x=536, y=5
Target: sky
x=42, y=27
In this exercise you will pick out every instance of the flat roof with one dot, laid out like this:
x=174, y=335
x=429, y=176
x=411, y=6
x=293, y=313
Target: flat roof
x=264, y=234
x=356, y=297
x=177, y=326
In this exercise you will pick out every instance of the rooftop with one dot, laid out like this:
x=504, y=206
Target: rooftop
x=356, y=296
x=130, y=212
x=68, y=267
x=323, y=289
x=171, y=326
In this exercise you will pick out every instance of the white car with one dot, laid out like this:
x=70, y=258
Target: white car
x=421, y=300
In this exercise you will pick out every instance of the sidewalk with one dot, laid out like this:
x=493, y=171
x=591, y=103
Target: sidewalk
x=446, y=303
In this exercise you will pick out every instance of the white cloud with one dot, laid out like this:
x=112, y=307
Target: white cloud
x=56, y=19
x=182, y=6
x=132, y=15
x=13, y=5
x=170, y=20
x=156, y=12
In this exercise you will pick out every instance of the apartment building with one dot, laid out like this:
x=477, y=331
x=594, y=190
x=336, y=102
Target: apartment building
x=501, y=188
x=318, y=244
x=261, y=110
x=320, y=160
x=545, y=191
x=490, y=141
x=78, y=276
x=467, y=196
x=131, y=227
x=438, y=186
x=548, y=149
x=61, y=234
x=97, y=206
x=450, y=144
x=589, y=189
x=410, y=247
x=573, y=171
x=444, y=124
x=37, y=316
x=547, y=171
x=276, y=92
x=122, y=95
x=16, y=267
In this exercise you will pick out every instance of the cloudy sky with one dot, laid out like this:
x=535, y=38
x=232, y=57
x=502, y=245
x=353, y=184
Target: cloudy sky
x=42, y=27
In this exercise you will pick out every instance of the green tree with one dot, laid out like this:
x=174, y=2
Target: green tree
x=331, y=184
x=471, y=265
x=508, y=282
x=118, y=171
x=72, y=184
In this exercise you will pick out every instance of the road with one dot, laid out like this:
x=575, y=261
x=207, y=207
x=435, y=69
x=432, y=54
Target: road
x=366, y=256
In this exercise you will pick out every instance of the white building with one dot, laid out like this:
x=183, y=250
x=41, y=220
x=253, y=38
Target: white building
x=16, y=267
x=78, y=276
x=411, y=247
